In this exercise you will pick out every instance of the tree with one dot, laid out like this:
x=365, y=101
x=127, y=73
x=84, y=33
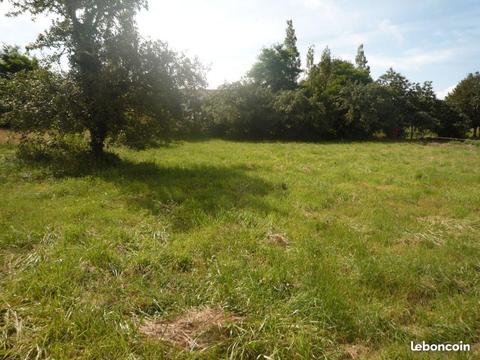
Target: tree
x=155, y=103
x=361, y=59
x=344, y=72
x=242, y=110
x=366, y=108
x=310, y=59
x=330, y=74
x=338, y=99
x=326, y=82
x=271, y=69
x=41, y=101
x=415, y=104
x=96, y=35
x=300, y=117
x=324, y=68
x=399, y=89
x=294, y=62
x=449, y=122
x=422, y=99
x=13, y=61
x=163, y=98
x=123, y=83
x=279, y=66
x=100, y=40
x=466, y=99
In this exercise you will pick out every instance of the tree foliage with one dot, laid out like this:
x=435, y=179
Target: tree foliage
x=294, y=61
x=361, y=60
x=125, y=87
x=335, y=100
x=242, y=110
x=138, y=92
x=279, y=66
x=466, y=99
x=310, y=58
x=12, y=61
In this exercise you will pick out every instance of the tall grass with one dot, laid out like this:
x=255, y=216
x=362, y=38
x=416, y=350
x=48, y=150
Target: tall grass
x=383, y=249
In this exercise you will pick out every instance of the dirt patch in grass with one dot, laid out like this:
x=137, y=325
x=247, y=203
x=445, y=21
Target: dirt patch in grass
x=380, y=187
x=7, y=136
x=196, y=329
x=355, y=352
x=278, y=240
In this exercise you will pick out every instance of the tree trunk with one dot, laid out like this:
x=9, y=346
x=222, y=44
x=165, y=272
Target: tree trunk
x=96, y=146
x=97, y=142
x=89, y=66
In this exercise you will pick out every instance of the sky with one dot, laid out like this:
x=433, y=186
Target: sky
x=437, y=40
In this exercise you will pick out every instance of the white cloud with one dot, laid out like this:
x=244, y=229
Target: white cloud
x=442, y=94
x=327, y=7
x=413, y=59
x=394, y=31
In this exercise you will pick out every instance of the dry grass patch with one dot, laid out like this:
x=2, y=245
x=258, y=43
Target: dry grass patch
x=438, y=229
x=433, y=237
x=196, y=329
x=8, y=137
x=357, y=226
x=449, y=224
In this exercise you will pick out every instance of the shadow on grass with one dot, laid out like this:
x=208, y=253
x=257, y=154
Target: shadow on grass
x=188, y=195
x=185, y=195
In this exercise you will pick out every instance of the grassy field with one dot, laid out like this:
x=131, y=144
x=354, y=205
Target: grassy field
x=332, y=251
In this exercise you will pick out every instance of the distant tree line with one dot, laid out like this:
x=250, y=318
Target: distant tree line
x=124, y=89
x=334, y=99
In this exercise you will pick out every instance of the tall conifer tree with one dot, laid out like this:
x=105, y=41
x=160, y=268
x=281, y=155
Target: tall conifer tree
x=294, y=62
x=361, y=59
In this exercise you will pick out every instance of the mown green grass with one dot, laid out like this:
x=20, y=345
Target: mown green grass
x=384, y=249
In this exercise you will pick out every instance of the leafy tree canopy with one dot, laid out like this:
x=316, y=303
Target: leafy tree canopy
x=466, y=99
x=361, y=59
x=122, y=83
x=279, y=66
x=12, y=60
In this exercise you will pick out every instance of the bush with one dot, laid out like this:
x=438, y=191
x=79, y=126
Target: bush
x=242, y=110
